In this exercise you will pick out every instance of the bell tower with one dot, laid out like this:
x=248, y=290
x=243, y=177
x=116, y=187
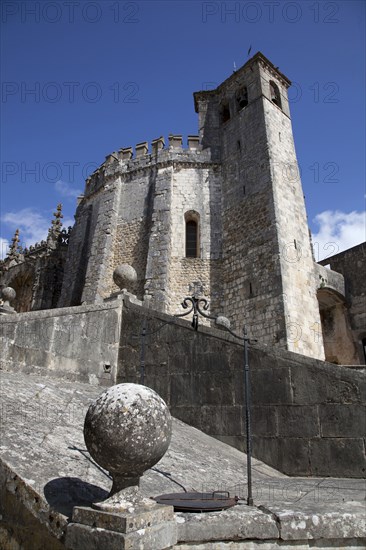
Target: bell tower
x=269, y=280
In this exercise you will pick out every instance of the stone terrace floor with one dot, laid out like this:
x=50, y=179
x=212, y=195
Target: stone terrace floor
x=42, y=448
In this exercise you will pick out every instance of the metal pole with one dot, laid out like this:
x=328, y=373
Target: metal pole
x=194, y=304
x=142, y=352
x=247, y=418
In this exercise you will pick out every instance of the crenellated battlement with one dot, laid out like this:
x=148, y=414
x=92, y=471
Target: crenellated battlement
x=175, y=141
x=145, y=155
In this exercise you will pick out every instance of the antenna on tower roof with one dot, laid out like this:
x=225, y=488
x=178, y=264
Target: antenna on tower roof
x=250, y=49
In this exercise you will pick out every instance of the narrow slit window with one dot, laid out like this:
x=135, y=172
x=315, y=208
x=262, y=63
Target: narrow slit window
x=191, y=239
x=225, y=112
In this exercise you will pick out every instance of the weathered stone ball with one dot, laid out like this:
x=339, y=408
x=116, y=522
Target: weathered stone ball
x=124, y=275
x=222, y=321
x=8, y=294
x=127, y=429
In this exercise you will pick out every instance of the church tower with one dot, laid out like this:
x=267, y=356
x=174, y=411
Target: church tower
x=269, y=281
x=224, y=218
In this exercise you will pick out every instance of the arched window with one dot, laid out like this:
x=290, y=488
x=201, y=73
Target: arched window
x=191, y=239
x=192, y=234
x=275, y=94
x=242, y=98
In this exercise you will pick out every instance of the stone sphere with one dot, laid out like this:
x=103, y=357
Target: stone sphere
x=222, y=321
x=124, y=275
x=8, y=294
x=127, y=429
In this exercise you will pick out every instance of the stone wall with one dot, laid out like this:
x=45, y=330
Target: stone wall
x=195, y=275
x=133, y=211
x=268, y=271
x=79, y=343
x=81, y=240
x=131, y=247
x=308, y=415
x=251, y=270
x=196, y=191
x=297, y=267
x=352, y=265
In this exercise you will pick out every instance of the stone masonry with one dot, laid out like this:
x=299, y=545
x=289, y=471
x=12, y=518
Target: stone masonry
x=236, y=191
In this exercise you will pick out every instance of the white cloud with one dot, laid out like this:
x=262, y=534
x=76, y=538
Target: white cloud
x=32, y=224
x=4, y=247
x=337, y=231
x=66, y=190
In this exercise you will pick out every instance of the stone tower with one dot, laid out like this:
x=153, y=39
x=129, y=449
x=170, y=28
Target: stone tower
x=224, y=218
x=267, y=265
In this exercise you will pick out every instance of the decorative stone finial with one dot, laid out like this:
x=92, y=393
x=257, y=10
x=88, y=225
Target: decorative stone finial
x=124, y=276
x=56, y=225
x=127, y=430
x=8, y=294
x=58, y=214
x=14, y=247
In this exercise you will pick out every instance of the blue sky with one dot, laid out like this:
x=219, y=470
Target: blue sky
x=82, y=79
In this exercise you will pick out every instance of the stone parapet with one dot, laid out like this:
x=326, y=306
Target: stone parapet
x=269, y=524
x=308, y=416
x=124, y=162
x=329, y=279
x=78, y=343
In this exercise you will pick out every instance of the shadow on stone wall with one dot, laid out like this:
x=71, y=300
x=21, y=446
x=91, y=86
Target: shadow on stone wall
x=308, y=416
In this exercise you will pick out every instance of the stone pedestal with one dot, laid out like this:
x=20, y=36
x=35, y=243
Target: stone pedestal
x=127, y=430
x=152, y=527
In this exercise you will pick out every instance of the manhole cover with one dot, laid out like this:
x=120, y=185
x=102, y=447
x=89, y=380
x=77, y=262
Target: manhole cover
x=198, y=502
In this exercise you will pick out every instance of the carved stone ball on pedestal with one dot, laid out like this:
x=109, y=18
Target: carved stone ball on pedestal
x=127, y=430
x=124, y=276
x=8, y=294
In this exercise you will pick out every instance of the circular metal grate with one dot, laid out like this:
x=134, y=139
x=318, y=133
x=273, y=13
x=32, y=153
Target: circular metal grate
x=198, y=502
